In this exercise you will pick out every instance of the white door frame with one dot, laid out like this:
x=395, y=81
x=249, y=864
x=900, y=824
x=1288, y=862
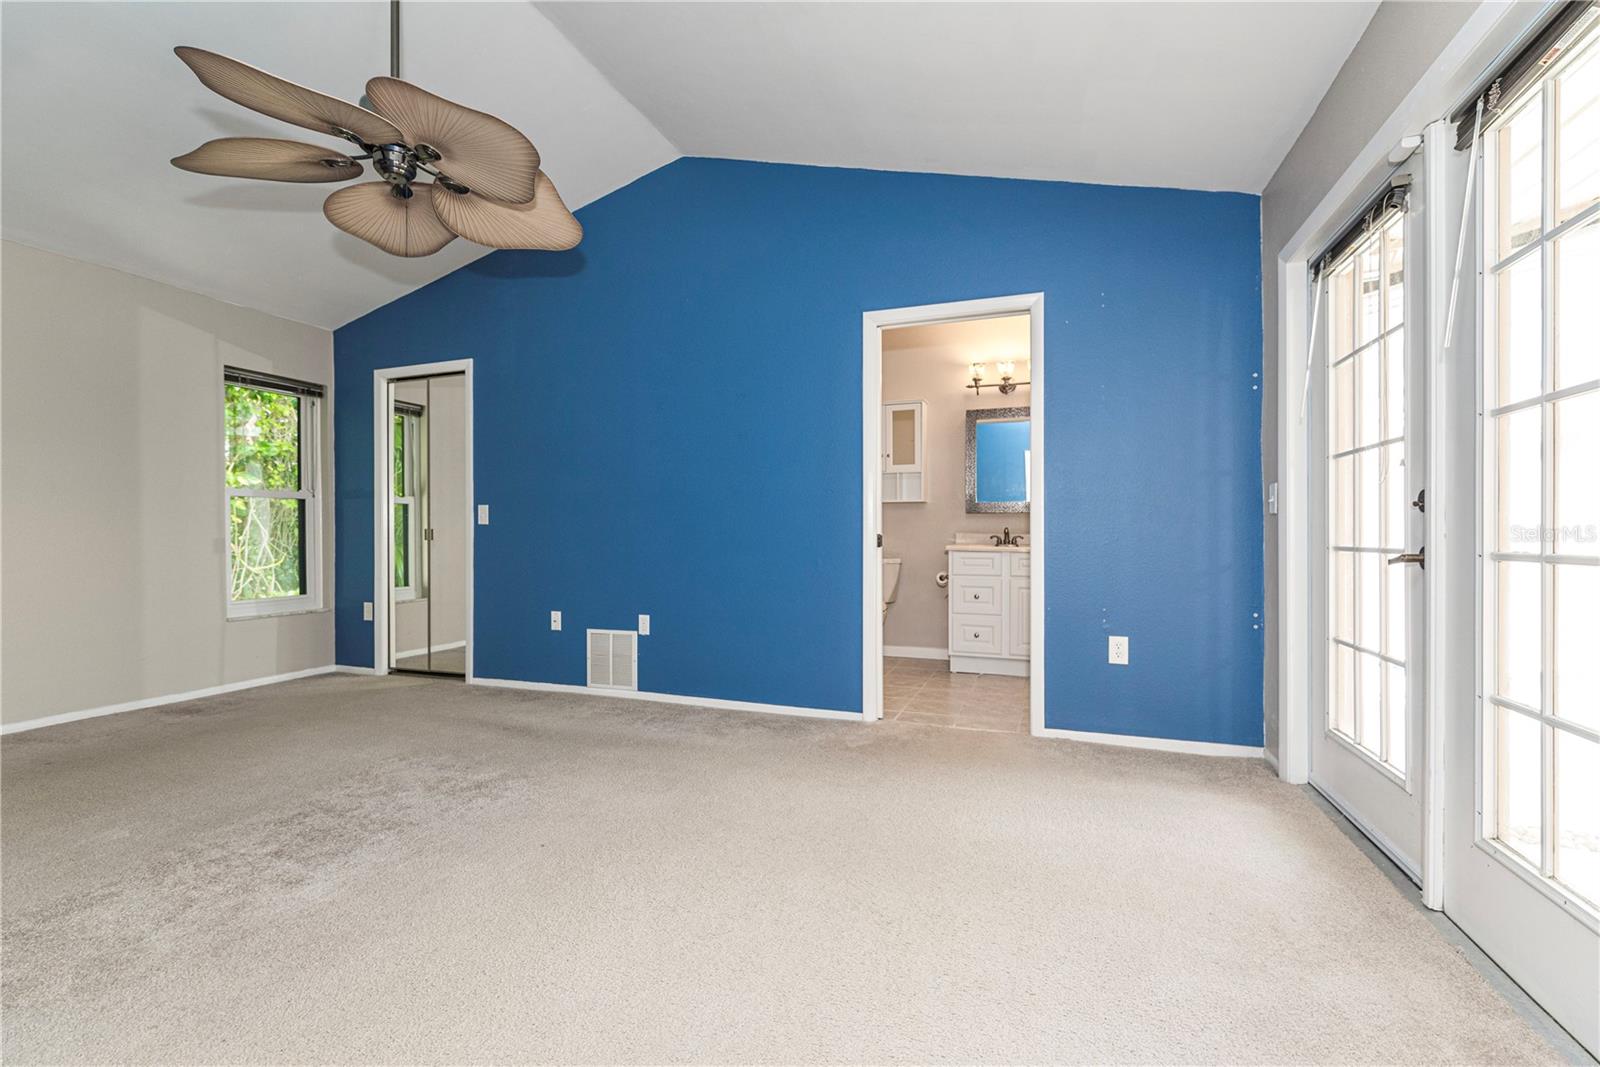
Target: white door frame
x=383, y=514
x=872, y=325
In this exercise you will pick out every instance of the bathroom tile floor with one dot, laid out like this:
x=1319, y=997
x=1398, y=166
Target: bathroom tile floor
x=923, y=691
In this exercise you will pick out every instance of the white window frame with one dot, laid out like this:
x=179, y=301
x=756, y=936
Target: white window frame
x=1492, y=264
x=411, y=427
x=310, y=528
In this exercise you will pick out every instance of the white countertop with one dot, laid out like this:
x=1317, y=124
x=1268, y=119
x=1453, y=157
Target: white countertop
x=988, y=548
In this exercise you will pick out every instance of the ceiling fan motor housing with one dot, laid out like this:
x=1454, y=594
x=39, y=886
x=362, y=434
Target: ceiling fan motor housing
x=398, y=166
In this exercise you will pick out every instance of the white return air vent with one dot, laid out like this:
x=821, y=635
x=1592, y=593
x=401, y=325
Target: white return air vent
x=613, y=659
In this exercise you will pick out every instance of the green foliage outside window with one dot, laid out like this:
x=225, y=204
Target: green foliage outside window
x=400, y=456
x=402, y=541
x=402, y=511
x=265, y=542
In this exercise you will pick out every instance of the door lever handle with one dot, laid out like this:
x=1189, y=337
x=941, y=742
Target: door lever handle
x=1419, y=557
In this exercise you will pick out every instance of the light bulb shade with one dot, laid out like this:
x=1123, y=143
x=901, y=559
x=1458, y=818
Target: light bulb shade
x=977, y=370
x=1006, y=368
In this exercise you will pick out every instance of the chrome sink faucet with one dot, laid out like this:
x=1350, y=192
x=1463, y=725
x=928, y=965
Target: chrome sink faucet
x=1005, y=539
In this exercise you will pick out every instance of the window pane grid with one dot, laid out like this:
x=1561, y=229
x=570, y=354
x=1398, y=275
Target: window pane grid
x=406, y=527
x=1366, y=689
x=1541, y=575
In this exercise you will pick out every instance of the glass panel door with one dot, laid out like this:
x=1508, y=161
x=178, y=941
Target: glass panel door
x=1523, y=826
x=1365, y=758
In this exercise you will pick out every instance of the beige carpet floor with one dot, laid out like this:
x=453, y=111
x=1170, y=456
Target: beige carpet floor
x=406, y=869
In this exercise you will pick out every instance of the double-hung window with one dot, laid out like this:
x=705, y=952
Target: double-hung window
x=406, y=475
x=1540, y=576
x=271, y=467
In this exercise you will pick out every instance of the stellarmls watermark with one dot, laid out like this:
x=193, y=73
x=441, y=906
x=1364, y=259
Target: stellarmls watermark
x=1578, y=533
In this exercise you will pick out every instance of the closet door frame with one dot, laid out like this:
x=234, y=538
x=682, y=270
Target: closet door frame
x=383, y=513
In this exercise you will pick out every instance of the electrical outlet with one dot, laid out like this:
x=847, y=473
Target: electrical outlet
x=483, y=514
x=644, y=626
x=1117, y=651
x=366, y=611
x=555, y=620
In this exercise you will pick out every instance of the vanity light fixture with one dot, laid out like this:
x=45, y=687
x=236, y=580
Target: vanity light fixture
x=1007, y=369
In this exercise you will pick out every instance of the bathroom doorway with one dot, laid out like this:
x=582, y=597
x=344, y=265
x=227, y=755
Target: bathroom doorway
x=424, y=521
x=952, y=466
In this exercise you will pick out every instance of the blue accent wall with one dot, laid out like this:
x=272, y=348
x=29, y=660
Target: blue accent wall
x=668, y=421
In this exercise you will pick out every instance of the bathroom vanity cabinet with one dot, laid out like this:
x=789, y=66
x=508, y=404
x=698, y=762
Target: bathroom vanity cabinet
x=989, y=609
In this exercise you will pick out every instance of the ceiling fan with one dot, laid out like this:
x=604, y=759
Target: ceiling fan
x=487, y=184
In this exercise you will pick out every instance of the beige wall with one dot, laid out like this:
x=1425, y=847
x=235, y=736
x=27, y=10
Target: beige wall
x=447, y=486
x=1399, y=45
x=929, y=363
x=112, y=536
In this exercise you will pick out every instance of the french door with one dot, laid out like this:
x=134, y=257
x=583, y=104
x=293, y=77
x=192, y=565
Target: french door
x=1523, y=819
x=1367, y=739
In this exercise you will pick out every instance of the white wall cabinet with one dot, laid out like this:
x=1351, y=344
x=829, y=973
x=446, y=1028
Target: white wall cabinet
x=905, y=475
x=989, y=610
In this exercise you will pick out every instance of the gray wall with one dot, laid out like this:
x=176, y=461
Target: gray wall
x=1399, y=45
x=930, y=363
x=114, y=554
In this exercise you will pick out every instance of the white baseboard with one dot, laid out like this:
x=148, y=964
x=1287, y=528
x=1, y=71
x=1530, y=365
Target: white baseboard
x=155, y=702
x=1379, y=839
x=1013, y=668
x=1159, y=744
x=670, y=698
x=1272, y=760
x=346, y=669
x=437, y=648
x=915, y=652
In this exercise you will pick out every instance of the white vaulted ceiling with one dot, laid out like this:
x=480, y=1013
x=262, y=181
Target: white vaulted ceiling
x=1186, y=95
x=1202, y=95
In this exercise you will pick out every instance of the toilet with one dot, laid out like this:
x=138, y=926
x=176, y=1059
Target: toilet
x=891, y=582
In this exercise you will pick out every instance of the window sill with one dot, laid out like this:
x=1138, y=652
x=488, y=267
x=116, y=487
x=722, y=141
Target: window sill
x=284, y=614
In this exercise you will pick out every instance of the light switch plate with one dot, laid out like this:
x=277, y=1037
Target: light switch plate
x=1117, y=651
x=483, y=514
x=366, y=611
x=555, y=620
x=644, y=626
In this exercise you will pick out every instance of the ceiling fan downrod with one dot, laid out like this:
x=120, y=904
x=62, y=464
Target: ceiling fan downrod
x=398, y=163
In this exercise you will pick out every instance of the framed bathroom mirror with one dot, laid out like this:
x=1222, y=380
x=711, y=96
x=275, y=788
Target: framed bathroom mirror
x=999, y=460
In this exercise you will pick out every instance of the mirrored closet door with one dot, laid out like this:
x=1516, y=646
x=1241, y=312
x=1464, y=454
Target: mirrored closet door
x=428, y=525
